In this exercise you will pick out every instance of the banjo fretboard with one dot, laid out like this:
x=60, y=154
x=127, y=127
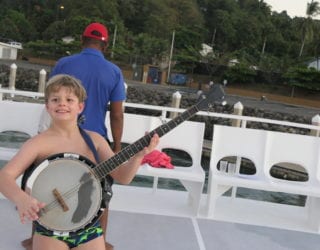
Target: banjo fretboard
x=129, y=151
x=215, y=94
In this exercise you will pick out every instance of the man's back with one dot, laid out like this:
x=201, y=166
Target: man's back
x=102, y=80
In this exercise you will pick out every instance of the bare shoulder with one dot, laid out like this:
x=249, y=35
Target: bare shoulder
x=40, y=140
x=41, y=144
x=33, y=146
x=26, y=156
x=99, y=141
x=94, y=135
x=33, y=141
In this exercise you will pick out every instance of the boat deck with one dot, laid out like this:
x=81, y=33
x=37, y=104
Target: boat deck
x=139, y=229
x=142, y=218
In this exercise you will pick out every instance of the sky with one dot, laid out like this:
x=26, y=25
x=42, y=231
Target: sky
x=293, y=7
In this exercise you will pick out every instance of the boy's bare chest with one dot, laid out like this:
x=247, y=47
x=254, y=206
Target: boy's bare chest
x=66, y=145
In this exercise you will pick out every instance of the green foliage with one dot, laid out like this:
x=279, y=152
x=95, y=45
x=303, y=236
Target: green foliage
x=55, y=31
x=147, y=46
x=9, y=30
x=240, y=73
x=52, y=49
x=16, y=27
x=245, y=29
x=76, y=24
x=308, y=78
x=272, y=64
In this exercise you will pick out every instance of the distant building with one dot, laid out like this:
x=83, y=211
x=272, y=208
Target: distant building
x=315, y=63
x=9, y=50
x=233, y=62
x=67, y=39
x=206, y=49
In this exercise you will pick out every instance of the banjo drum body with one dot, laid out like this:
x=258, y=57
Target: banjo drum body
x=72, y=192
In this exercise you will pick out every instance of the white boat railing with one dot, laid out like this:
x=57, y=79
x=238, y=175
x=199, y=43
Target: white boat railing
x=244, y=119
x=165, y=110
x=14, y=92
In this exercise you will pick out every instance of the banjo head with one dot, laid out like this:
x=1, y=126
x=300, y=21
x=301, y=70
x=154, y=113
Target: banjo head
x=68, y=186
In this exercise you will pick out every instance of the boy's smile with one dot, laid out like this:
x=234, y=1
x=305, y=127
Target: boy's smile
x=64, y=102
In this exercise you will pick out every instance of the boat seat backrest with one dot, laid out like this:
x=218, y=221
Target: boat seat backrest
x=302, y=150
x=233, y=141
x=11, y=118
x=134, y=126
x=187, y=137
x=266, y=149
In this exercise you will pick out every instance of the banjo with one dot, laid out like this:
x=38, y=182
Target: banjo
x=74, y=200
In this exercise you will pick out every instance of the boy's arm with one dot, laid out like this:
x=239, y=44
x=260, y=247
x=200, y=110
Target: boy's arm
x=27, y=206
x=126, y=172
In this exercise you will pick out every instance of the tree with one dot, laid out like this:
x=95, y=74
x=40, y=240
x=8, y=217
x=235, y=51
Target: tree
x=9, y=30
x=98, y=10
x=55, y=31
x=188, y=43
x=313, y=10
x=147, y=47
x=134, y=14
x=15, y=26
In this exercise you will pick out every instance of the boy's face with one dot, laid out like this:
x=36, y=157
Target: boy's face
x=64, y=105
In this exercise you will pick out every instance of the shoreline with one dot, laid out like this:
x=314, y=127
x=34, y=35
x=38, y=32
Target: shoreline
x=28, y=75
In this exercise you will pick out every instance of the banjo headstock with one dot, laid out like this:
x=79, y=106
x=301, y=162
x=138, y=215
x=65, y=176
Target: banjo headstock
x=215, y=95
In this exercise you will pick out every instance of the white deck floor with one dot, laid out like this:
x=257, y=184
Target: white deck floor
x=143, y=229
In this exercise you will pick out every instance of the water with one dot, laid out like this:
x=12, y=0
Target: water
x=12, y=139
x=15, y=140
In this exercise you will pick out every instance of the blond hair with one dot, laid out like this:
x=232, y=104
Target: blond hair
x=63, y=80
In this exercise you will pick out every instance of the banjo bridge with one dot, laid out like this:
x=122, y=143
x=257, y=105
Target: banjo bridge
x=60, y=200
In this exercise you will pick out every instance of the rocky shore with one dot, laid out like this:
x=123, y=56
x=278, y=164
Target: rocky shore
x=27, y=79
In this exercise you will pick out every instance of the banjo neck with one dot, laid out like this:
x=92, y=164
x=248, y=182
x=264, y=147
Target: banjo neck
x=216, y=94
x=103, y=168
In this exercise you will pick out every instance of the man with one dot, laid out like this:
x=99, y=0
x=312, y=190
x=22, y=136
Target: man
x=104, y=85
x=102, y=80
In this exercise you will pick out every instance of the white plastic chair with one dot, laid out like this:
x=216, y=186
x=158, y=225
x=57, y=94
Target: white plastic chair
x=234, y=141
x=265, y=149
x=10, y=112
x=187, y=137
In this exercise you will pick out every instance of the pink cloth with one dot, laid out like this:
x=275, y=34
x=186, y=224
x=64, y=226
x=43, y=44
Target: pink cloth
x=158, y=159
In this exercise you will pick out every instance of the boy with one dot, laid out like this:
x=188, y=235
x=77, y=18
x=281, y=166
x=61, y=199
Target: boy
x=64, y=100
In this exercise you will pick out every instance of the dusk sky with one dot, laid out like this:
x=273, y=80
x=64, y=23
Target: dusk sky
x=293, y=7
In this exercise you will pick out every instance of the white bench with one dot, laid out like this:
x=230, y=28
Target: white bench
x=11, y=120
x=187, y=137
x=265, y=149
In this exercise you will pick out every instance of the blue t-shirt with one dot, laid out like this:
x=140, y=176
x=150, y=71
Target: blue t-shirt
x=102, y=80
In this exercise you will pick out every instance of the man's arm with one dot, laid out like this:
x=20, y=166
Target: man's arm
x=116, y=123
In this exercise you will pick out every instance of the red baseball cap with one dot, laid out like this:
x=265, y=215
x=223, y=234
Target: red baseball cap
x=97, y=31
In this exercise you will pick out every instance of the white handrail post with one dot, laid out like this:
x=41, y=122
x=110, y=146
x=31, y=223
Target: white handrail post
x=176, y=98
x=12, y=77
x=42, y=81
x=1, y=95
x=315, y=121
x=238, y=110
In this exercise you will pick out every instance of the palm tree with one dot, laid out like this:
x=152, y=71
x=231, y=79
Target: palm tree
x=313, y=9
